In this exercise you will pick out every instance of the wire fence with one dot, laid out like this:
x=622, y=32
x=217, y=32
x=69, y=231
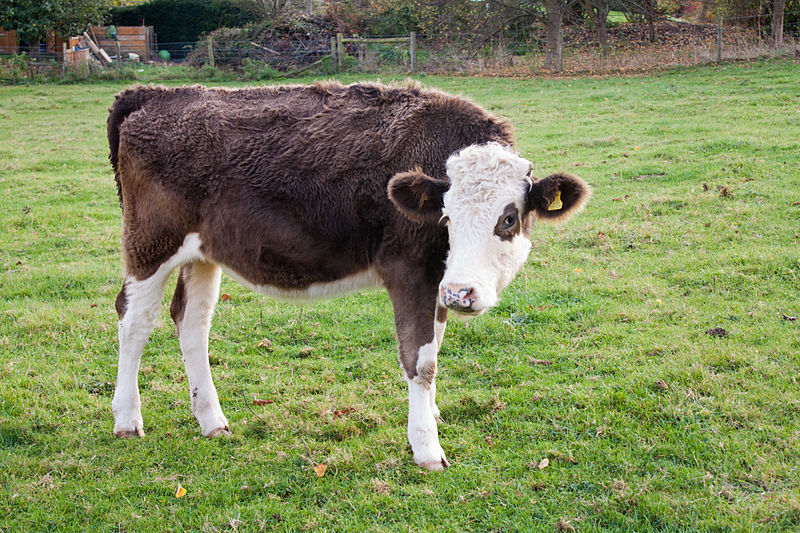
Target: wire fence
x=630, y=47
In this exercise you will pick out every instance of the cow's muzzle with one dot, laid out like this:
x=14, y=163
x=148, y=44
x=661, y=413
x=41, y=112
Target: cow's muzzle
x=461, y=298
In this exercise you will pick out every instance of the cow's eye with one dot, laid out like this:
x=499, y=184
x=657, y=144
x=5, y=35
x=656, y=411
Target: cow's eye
x=509, y=221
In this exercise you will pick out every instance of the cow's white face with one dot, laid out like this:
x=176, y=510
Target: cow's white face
x=485, y=210
x=489, y=203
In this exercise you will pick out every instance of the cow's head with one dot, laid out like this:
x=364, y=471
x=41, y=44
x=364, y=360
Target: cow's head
x=489, y=205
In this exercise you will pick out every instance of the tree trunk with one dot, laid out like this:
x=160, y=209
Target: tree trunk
x=777, y=21
x=554, y=45
x=598, y=14
x=650, y=6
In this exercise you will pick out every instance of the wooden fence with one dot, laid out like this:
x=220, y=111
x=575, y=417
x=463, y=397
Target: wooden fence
x=138, y=40
x=338, y=49
x=8, y=42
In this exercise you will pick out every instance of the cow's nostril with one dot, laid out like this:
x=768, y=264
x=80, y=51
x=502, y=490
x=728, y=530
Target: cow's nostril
x=458, y=297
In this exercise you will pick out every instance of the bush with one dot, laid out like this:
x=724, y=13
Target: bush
x=14, y=68
x=253, y=69
x=178, y=21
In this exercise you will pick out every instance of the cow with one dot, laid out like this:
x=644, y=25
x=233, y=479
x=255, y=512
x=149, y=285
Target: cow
x=306, y=192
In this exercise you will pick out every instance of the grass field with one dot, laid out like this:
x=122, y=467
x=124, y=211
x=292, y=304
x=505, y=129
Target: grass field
x=647, y=422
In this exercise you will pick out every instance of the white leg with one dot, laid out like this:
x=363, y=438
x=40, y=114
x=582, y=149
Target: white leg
x=422, y=432
x=201, y=290
x=438, y=328
x=142, y=302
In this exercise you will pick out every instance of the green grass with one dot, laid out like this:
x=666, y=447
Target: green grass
x=649, y=423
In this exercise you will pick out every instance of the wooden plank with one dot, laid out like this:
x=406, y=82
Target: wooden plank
x=99, y=52
x=131, y=30
x=386, y=40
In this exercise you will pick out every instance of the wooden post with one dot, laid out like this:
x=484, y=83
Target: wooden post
x=413, y=49
x=719, y=39
x=211, y=51
x=339, y=50
x=333, y=54
x=63, y=59
x=119, y=51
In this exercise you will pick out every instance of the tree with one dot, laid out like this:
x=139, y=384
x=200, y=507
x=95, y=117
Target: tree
x=597, y=11
x=778, y=7
x=554, y=39
x=34, y=19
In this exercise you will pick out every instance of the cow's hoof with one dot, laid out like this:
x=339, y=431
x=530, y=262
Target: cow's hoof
x=129, y=433
x=436, y=466
x=224, y=431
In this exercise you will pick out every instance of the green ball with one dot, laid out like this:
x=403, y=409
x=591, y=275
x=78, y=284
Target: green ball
x=164, y=54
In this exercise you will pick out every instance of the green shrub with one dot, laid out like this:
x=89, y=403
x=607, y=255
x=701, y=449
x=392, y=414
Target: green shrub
x=253, y=69
x=178, y=21
x=14, y=68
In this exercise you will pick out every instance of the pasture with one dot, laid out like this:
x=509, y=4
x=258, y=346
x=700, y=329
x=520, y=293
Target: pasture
x=640, y=374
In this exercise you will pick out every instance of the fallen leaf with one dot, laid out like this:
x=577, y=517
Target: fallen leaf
x=564, y=525
x=789, y=318
x=539, y=362
x=544, y=463
x=264, y=343
x=181, y=492
x=345, y=411
x=320, y=469
x=578, y=270
x=225, y=297
x=262, y=402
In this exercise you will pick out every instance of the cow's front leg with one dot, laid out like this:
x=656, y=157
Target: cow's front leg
x=423, y=434
x=419, y=336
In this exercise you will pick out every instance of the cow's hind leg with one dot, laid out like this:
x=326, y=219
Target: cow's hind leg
x=138, y=304
x=192, y=308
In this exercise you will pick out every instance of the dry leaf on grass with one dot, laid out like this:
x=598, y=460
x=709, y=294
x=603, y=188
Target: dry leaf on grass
x=181, y=492
x=262, y=402
x=264, y=343
x=320, y=469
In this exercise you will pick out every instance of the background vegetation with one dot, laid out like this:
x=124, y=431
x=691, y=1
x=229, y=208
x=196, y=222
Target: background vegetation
x=640, y=374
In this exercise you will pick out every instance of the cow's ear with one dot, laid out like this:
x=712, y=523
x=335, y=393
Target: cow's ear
x=418, y=196
x=558, y=196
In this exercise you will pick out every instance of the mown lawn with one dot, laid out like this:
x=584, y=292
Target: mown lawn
x=598, y=358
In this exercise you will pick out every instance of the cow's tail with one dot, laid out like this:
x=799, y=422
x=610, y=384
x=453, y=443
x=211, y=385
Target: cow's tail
x=126, y=103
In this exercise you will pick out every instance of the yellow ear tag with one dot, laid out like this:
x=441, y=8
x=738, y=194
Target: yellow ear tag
x=556, y=204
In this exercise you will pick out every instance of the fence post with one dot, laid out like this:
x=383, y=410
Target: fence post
x=339, y=50
x=333, y=55
x=211, y=51
x=413, y=49
x=64, y=59
x=719, y=39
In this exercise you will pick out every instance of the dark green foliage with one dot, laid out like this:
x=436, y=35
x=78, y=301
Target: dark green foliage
x=178, y=21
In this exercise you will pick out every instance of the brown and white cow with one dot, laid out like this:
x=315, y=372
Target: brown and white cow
x=303, y=192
